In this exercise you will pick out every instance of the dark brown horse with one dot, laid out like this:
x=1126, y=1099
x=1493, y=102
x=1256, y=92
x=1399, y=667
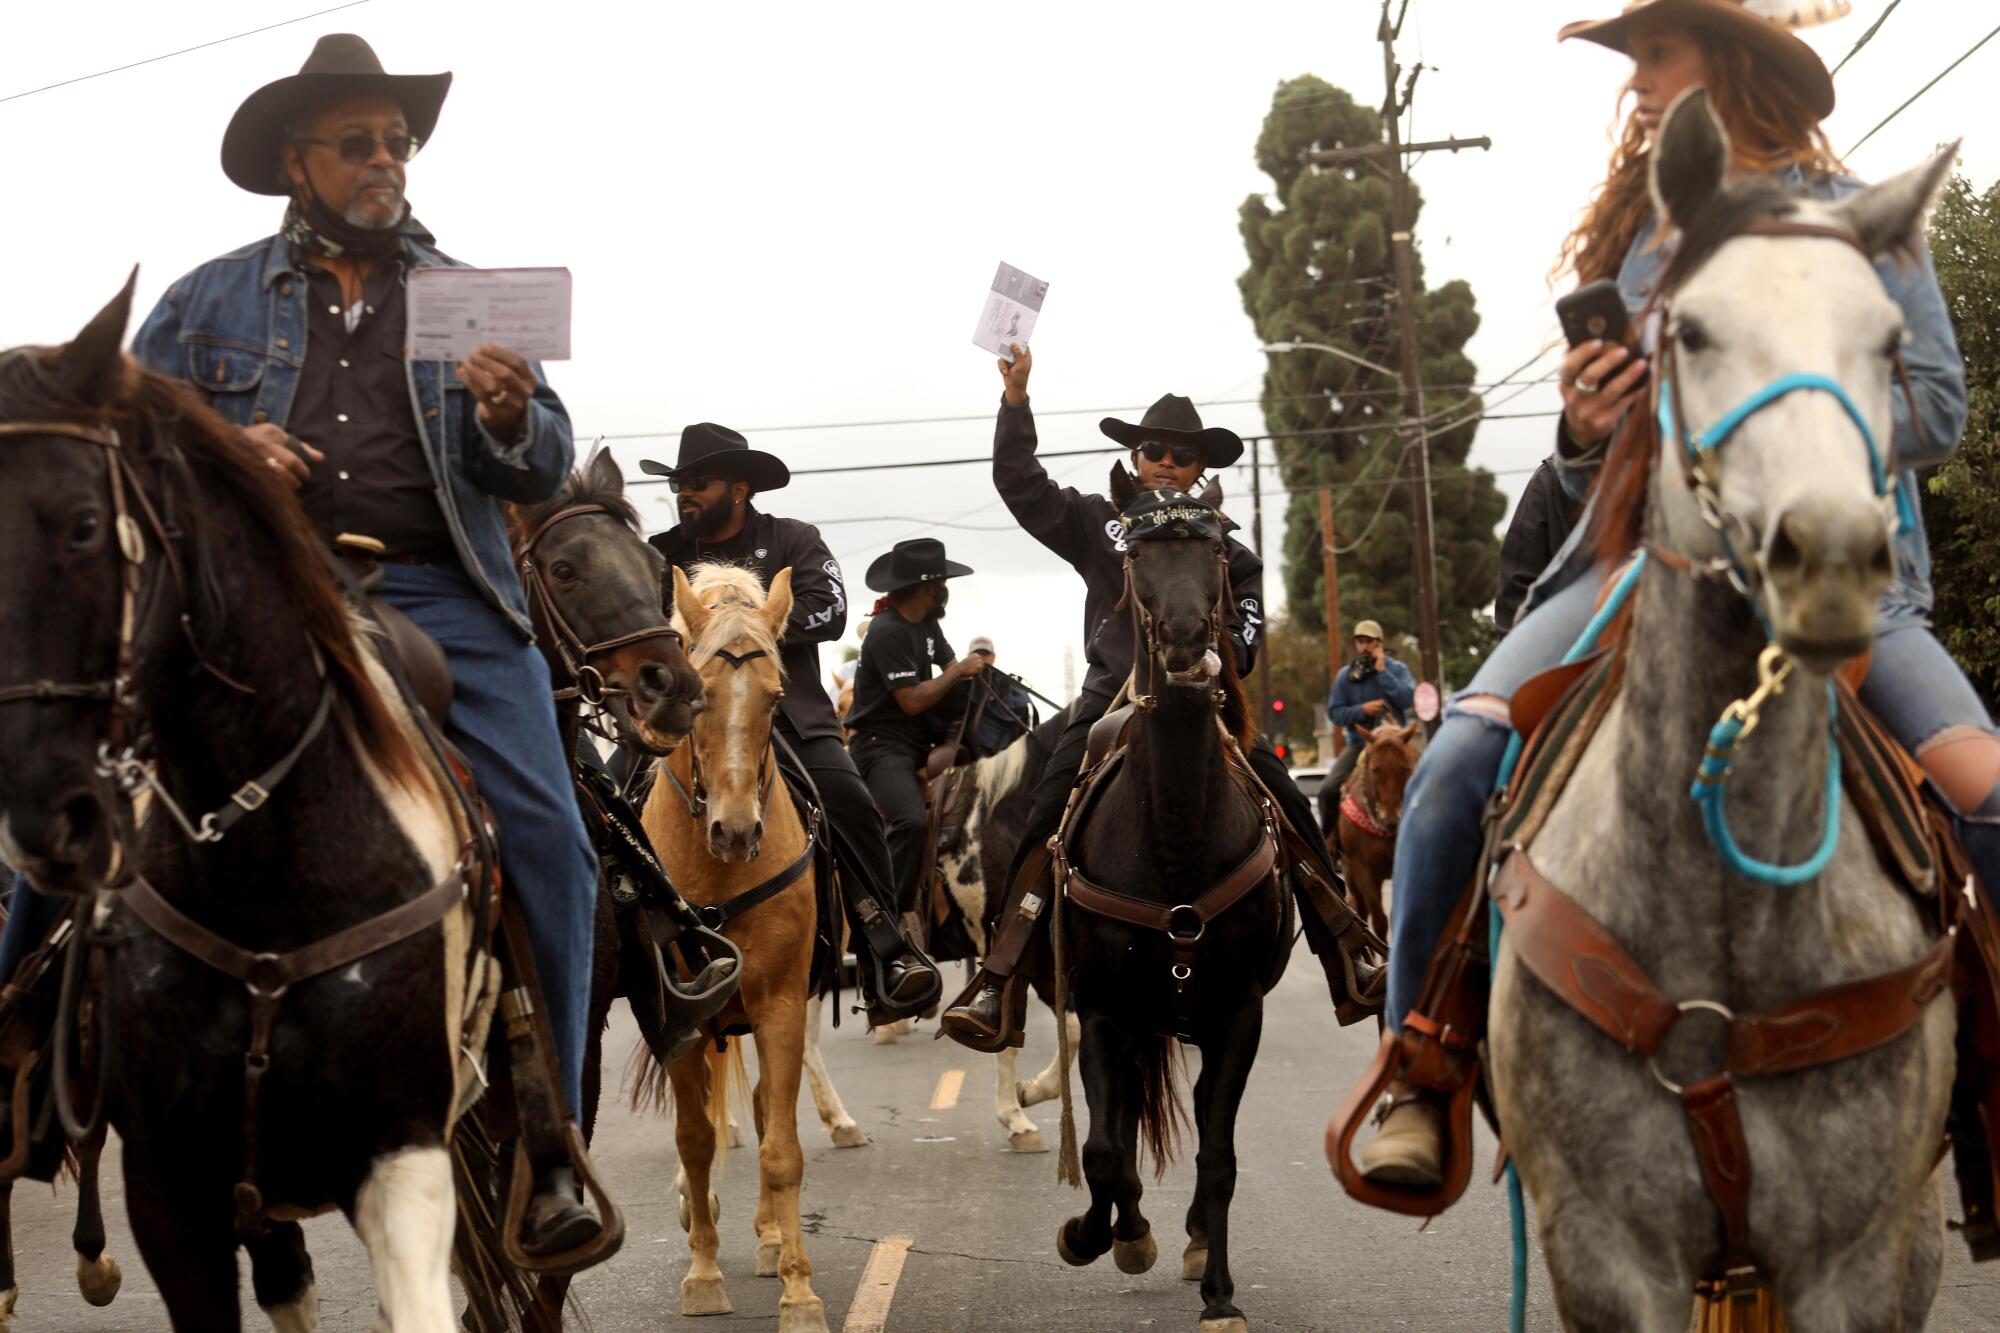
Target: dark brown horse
x=168, y=627
x=1371, y=808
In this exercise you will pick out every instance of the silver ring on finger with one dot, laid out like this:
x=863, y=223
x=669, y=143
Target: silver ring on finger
x=499, y=399
x=1585, y=386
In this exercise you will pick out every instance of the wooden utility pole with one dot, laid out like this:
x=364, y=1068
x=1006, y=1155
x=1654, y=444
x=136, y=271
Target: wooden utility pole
x=1389, y=156
x=1257, y=541
x=1330, y=559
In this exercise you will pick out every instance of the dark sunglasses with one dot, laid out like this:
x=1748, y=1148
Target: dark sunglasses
x=694, y=483
x=1185, y=455
x=359, y=147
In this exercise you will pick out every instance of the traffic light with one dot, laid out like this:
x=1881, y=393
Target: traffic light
x=1282, y=750
x=1277, y=726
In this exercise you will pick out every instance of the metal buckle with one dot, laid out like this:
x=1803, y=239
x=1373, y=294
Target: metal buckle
x=250, y=796
x=1716, y=1007
x=264, y=981
x=1200, y=926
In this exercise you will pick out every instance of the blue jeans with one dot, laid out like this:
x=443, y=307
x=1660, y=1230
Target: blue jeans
x=503, y=719
x=1913, y=686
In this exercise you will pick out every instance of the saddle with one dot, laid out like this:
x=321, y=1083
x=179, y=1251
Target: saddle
x=424, y=664
x=1439, y=1049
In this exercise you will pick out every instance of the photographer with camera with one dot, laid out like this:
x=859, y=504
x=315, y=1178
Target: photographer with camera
x=1372, y=689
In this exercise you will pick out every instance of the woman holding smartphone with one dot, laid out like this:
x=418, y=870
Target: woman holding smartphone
x=1771, y=91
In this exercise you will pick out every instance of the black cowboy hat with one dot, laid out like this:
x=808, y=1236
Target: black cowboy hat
x=1174, y=418
x=917, y=560
x=341, y=65
x=716, y=451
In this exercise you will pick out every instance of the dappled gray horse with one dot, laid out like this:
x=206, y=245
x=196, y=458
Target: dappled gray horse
x=1843, y=1200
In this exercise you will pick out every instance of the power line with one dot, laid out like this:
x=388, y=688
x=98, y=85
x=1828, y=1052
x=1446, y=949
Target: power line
x=203, y=46
x=1926, y=88
x=1868, y=36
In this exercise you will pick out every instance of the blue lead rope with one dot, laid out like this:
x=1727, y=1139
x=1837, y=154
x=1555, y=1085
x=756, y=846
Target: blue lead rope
x=1517, y=1207
x=1711, y=784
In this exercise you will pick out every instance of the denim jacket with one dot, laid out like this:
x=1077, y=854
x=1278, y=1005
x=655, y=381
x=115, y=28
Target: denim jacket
x=235, y=329
x=1937, y=378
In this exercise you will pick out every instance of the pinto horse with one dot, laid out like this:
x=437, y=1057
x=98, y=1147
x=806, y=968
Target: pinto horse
x=168, y=627
x=1371, y=806
x=1178, y=818
x=723, y=822
x=1816, y=1179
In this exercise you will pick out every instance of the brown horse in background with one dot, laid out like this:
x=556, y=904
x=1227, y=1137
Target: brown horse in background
x=1371, y=806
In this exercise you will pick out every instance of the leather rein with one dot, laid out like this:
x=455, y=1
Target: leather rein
x=578, y=655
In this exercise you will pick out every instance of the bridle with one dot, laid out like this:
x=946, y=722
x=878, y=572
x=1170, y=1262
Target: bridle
x=120, y=754
x=1199, y=676
x=1697, y=454
x=695, y=794
x=578, y=656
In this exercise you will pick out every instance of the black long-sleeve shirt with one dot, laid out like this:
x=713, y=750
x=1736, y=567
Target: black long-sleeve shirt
x=768, y=544
x=1541, y=524
x=1084, y=531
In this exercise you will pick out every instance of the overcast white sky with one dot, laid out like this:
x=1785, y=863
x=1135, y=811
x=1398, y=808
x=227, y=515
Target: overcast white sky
x=780, y=215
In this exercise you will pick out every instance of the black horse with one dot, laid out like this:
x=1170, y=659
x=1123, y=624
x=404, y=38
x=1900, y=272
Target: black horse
x=168, y=627
x=1173, y=821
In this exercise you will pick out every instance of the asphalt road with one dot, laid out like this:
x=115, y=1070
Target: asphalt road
x=981, y=1221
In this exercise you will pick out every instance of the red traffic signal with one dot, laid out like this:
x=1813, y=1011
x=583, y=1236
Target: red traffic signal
x=1282, y=751
x=1278, y=705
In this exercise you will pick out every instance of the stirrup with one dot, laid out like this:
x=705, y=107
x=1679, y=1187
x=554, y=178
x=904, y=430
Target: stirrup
x=1013, y=1015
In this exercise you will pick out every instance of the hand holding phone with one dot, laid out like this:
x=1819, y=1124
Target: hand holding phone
x=1603, y=373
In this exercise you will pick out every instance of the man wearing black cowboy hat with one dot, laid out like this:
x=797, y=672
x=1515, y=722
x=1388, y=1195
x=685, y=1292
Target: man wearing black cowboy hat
x=1170, y=449
x=907, y=671
x=299, y=339
x=715, y=479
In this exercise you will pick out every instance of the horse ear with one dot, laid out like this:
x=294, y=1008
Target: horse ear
x=1690, y=158
x=778, y=602
x=1410, y=730
x=1889, y=218
x=1124, y=486
x=603, y=474
x=1211, y=494
x=90, y=366
x=688, y=606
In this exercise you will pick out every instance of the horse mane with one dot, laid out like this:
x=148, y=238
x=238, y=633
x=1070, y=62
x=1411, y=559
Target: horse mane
x=1618, y=495
x=734, y=596
x=576, y=490
x=1236, y=716
x=163, y=422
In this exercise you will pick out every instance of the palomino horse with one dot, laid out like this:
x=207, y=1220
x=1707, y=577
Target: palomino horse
x=1783, y=494
x=1371, y=806
x=167, y=627
x=975, y=870
x=724, y=824
x=1177, y=820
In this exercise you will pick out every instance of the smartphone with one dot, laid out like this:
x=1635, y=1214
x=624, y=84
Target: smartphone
x=1594, y=310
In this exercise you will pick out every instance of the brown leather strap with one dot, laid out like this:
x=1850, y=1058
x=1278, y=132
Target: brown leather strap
x=1840, y=1021
x=1574, y=956
x=1216, y=900
x=1106, y=734
x=1716, y=1127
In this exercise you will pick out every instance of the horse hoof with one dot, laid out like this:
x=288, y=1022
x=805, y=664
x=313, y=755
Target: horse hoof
x=1194, y=1262
x=1135, y=1256
x=1236, y=1323
x=806, y=1316
x=687, y=1211
x=704, y=1295
x=886, y=1034
x=735, y=1135
x=1071, y=1249
x=849, y=1136
x=1027, y=1140
x=98, y=1279
x=1027, y=1094
x=767, y=1258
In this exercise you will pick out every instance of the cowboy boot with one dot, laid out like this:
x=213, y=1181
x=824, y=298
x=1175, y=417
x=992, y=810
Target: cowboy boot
x=1408, y=1149
x=907, y=982
x=556, y=1221
x=991, y=1014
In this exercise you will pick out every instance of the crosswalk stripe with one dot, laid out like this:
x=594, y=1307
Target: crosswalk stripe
x=870, y=1311
x=948, y=1085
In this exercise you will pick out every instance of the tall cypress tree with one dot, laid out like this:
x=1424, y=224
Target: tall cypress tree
x=1321, y=271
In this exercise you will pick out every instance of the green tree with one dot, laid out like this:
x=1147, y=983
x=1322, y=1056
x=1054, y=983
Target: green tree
x=1962, y=500
x=1321, y=271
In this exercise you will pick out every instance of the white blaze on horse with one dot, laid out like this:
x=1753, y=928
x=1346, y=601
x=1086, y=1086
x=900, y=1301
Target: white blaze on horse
x=1777, y=366
x=725, y=826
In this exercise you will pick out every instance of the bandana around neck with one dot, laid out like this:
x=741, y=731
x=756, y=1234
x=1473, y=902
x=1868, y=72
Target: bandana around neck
x=317, y=228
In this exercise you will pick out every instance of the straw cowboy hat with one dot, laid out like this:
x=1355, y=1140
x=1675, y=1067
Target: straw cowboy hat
x=1765, y=26
x=341, y=65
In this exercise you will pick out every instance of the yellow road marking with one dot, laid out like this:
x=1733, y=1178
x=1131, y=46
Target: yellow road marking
x=870, y=1311
x=948, y=1085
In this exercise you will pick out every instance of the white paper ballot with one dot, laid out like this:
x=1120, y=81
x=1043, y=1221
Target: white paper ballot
x=1011, y=307
x=452, y=311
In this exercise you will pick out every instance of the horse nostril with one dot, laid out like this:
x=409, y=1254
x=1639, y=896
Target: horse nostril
x=654, y=680
x=1787, y=555
x=715, y=830
x=1882, y=564
x=79, y=819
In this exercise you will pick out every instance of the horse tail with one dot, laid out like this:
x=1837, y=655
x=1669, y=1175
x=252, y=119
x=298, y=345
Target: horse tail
x=1162, y=1113
x=652, y=1087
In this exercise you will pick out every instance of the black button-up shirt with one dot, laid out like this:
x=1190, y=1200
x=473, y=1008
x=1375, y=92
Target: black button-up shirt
x=353, y=405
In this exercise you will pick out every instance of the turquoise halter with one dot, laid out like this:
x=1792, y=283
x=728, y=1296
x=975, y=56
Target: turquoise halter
x=1726, y=738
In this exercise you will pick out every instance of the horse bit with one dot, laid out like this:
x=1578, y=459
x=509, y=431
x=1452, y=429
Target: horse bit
x=586, y=681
